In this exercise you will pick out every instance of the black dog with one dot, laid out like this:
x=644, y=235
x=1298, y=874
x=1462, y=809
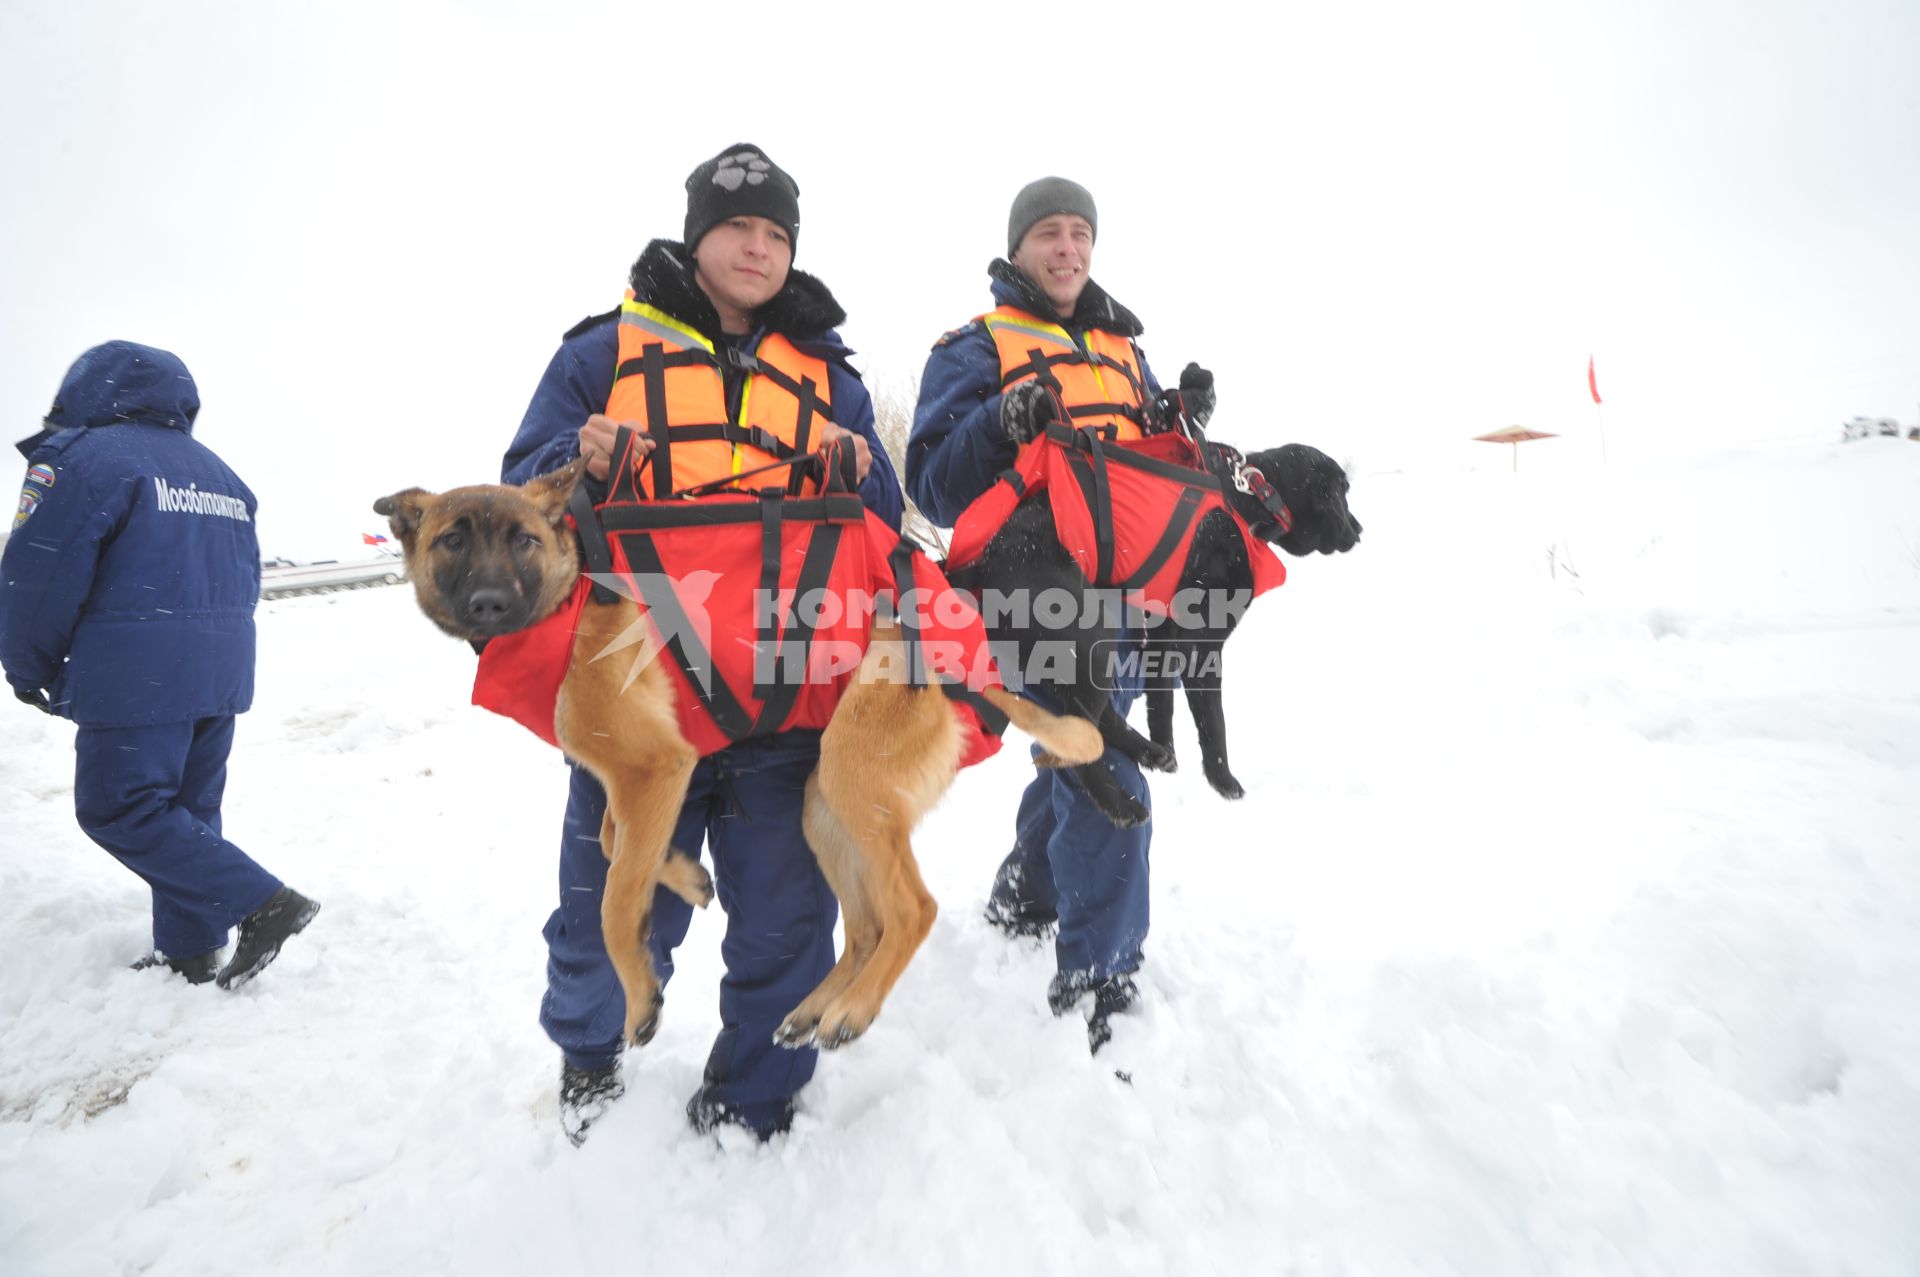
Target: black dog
x=1294, y=497
x=1312, y=489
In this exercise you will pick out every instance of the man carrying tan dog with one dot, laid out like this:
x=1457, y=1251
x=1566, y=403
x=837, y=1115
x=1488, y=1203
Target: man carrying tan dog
x=748, y=325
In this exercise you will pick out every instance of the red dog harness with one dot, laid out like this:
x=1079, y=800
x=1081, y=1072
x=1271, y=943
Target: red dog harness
x=1127, y=512
x=701, y=571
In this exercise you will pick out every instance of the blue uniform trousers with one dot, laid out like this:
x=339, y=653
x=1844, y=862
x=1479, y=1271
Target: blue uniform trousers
x=744, y=805
x=1071, y=863
x=151, y=796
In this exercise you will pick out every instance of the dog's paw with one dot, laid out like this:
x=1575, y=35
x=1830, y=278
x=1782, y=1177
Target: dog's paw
x=1124, y=811
x=1224, y=783
x=835, y=1033
x=641, y=1028
x=687, y=878
x=796, y=1031
x=1159, y=757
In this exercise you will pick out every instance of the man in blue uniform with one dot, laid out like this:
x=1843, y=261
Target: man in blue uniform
x=731, y=281
x=126, y=604
x=1071, y=871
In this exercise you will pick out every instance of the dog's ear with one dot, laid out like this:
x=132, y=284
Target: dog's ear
x=1315, y=489
x=1298, y=470
x=551, y=492
x=404, y=510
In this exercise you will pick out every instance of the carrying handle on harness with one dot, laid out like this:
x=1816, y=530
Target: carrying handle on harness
x=835, y=463
x=626, y=469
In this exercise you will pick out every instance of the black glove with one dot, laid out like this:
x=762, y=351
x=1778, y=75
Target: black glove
x=1192, y=403
x=34, y=697
x=1196, y=393
x=1027, y=410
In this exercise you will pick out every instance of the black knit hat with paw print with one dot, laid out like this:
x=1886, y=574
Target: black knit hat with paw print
x=741, y=182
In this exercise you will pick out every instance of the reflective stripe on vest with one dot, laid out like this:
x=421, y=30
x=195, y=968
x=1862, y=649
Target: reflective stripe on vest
x=1097, y=378
x=669, y=378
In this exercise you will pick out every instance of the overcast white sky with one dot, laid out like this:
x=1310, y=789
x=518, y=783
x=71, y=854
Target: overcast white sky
x=1387, y=227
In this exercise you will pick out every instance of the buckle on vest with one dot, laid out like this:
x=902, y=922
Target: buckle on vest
x=741, y=359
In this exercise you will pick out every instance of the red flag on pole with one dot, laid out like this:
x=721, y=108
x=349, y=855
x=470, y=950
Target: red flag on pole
x=1592, y=385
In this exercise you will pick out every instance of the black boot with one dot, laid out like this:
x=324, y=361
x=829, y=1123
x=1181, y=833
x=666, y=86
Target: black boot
x=262, y=932
x=1020, y=925
x=585, y=1094
x=1111, y=995
x=766, y=1120
x=197, y=970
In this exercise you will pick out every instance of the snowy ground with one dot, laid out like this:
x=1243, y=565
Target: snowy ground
x=1571, y=924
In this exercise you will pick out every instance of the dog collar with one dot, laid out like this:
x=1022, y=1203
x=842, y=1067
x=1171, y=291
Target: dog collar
x=1249, y=480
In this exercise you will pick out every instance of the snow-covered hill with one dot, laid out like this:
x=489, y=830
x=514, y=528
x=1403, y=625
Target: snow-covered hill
x=1571, y=924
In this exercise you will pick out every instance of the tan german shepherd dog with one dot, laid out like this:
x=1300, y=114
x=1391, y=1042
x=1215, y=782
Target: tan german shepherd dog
x=492, y=559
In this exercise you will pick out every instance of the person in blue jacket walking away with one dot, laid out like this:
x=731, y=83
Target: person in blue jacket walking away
x=1071, y=871
x=126, y=604
x=731, y=283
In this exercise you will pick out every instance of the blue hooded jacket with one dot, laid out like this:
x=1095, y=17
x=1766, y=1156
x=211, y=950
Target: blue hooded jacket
x=127, y=588
x=957, y=449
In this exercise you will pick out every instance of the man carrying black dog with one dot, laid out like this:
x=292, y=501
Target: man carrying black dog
x=1055, y=347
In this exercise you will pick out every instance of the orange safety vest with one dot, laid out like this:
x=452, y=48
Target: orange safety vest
x=669, y=379
x=1098, y=378
x=1127, y=514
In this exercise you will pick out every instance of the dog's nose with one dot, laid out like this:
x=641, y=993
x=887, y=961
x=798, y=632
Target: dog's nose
x=487, y=605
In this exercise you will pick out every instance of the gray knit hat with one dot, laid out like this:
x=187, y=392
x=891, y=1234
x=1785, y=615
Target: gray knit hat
x=1044, y=198
x=741, y=182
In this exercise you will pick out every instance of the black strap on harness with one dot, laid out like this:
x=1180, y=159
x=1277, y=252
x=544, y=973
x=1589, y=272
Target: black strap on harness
x=1170, y=540
x=1040, y=365
x=837, y=507
x=595, y=554
x=1101, y=500
x=796, y=644
x=807, y=399
x=1249, y=480
x=1089, y=457
x=767, y=602
x=632, y=518
x=900, y=562
x=676, y=359
x=919, y=674
x=651, y=366
x=656, y=591
x=654, y=369
x=728, y=432
x=1108, y=432
x=1104, y=361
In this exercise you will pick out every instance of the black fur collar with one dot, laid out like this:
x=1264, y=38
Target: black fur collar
x=663, y=276
x=1094, y=309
